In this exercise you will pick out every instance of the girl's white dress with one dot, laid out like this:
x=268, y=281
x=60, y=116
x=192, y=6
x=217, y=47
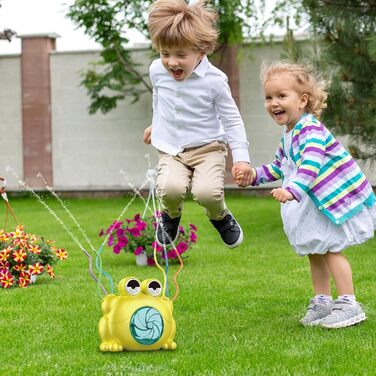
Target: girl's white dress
x=311, y=232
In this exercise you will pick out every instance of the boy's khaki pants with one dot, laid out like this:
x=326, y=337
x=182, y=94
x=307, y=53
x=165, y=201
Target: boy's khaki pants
x=202, y=169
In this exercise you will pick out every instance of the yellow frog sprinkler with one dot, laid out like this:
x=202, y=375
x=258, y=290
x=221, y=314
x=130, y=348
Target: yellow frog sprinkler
x=140, y=318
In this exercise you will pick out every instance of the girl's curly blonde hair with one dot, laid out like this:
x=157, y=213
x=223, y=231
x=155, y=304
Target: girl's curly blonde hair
x=308, y=81
x=174, y=23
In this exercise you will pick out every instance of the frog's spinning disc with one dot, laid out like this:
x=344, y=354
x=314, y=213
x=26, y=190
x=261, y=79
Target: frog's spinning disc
x=139, y=319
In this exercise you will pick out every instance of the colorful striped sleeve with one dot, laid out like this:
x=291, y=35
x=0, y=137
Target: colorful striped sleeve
x=270, y=172
x=310, y=144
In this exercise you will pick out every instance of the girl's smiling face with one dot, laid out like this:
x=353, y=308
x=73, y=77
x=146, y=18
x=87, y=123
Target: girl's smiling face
x=283, y=101
x=180, y=62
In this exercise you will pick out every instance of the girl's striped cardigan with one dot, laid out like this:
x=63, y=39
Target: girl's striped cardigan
x=325, y=171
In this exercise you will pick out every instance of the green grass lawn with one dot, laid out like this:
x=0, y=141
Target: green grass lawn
x=237, y=313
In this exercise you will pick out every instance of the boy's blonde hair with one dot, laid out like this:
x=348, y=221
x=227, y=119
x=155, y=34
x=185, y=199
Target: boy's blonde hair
x=308, y=81
x=174, y=23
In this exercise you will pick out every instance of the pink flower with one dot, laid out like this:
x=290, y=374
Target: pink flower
x=181, y=247
x=171, y=254
x=157, y=246
x=123, y=241
x=193, y=237
x=138, y=250
x=134, y=231
x=101, y=232
x=181, y=230
x=137, y=217
x=117, y=249
x=120, y=232
x=151, y=261
x=141, y=225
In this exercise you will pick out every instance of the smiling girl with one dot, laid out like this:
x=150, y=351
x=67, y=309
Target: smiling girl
x=328, y=204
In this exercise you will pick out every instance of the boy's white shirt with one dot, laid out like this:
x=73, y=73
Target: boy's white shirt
x=196, y=111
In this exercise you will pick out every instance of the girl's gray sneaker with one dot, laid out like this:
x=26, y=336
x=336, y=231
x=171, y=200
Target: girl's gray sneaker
x=344, y=313
x=316, y=312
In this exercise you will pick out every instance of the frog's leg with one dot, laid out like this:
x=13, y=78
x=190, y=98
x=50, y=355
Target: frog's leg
x=108, y=342
x=169, y=345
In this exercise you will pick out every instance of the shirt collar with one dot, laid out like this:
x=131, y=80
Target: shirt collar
x=202, y=68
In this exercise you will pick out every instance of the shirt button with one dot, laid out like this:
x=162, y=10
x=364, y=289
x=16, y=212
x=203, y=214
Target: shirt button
x=337, y=222
x=320, y=207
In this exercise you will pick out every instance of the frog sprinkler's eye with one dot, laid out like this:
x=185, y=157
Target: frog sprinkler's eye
x=133, y=287
x=154, y=288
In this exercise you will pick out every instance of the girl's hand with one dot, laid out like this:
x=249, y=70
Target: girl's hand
x=282, y=195
x=147, y=135
x=243, y=174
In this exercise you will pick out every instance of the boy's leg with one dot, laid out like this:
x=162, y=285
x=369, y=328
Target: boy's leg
x=321, y=305
x=209, y=164
x=172, y=184
x=346, y=311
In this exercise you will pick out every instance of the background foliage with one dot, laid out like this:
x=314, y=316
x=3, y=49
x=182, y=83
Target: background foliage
x=342, y=33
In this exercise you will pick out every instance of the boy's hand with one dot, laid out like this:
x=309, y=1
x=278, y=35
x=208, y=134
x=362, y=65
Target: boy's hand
x=147, y=135
x=243, y=174
x=3, y=185
x=282, y=195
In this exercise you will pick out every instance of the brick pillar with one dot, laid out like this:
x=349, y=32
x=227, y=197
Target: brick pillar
x=36, y=107
x=226, y=60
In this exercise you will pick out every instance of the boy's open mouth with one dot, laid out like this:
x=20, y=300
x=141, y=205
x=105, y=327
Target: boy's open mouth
x=177, y=73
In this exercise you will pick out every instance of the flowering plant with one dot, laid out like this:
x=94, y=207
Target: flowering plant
x=137, y=236
x=23, y=256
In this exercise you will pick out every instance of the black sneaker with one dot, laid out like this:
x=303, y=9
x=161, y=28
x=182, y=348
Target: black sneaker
x=167, y=230
x=230, y=231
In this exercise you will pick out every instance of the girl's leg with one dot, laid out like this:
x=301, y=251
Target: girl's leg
x=321, y=305
x=341, y=271
x=320, y=274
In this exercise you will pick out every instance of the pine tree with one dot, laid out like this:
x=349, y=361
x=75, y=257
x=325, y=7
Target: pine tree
x=347, y=29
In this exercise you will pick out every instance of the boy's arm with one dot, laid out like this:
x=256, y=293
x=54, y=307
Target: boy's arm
x=231, y=120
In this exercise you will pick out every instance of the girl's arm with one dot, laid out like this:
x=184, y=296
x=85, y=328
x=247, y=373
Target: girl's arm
x=311, y=143
x=269, y=172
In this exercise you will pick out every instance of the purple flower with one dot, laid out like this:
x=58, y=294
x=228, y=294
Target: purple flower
x=193, y=227
x=101, y=233
x=138, y=250
x=181, y=230
x=193, y=237
x=110, y=241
